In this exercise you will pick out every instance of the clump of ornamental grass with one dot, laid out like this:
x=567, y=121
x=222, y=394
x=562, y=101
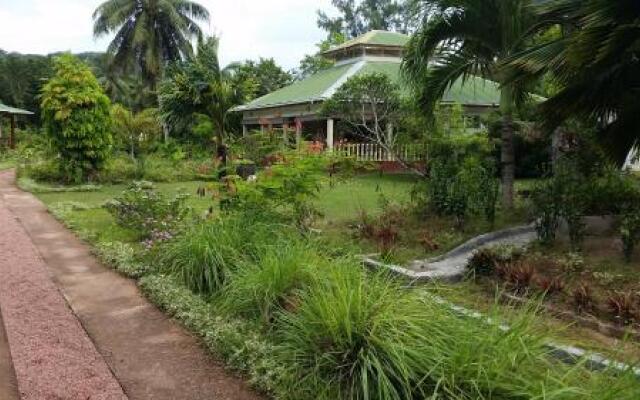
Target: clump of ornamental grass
x=205, y=255
x=260, y=288
x=359, y=337
x=352, y=337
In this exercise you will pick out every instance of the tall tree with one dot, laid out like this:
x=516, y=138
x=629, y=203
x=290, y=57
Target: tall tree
x=201, y=86
x=358, y=17
x=267, y=75
x=595, y=64
x=471, y=37
x=149, y=33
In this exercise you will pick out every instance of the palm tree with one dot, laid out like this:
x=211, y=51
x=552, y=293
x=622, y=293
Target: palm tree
x=200, y=86
x=149, y=33
x=596, y=64
x=470, y=37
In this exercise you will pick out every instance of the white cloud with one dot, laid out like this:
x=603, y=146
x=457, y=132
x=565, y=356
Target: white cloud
x=283, y=29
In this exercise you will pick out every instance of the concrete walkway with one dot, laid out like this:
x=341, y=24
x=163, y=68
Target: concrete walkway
x=451, y=267
x=150, y=355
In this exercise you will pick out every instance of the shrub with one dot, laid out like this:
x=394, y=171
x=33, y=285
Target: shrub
x=521, y=276
x=583, y=298
x=630, y=230
x=261, y=288
x=76, y=115
x=122, y=257
x=205, y=255
x=551, y=286
x=546, y=211
x=483, y=262
x=623, y=308
x=351, y=338
x=143, y=209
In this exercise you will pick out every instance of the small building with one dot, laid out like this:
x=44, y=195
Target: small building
x=295, y=109
x=11, y=113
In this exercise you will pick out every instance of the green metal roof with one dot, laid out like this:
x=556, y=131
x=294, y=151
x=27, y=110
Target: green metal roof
x=374, y=38
x=319, y=87
x=11, y=110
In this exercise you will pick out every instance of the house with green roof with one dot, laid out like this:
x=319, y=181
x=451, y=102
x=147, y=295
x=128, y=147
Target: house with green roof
x=296, y=108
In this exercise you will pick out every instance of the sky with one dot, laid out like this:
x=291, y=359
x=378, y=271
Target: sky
x=249, y=29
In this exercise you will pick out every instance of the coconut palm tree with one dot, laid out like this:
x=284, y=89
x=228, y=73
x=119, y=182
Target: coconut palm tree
x=470, y=37
x=201, y=86
x=149, y=33
x=595, y=63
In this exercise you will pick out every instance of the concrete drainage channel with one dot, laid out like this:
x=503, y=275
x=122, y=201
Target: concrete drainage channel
x=451, y=266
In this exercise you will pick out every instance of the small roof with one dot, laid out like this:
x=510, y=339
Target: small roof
x=475, y=91
x=373, y=38
x=14, y=111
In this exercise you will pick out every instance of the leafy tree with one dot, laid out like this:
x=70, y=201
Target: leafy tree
x=76, y=117
x=266, y=74
x=21, y=78
x=370, y=104
x=149, y=33
x=358, y=17
x=202, y=87
x=593, y=64
x=135, y=131
x=314, y=63
x=465, y=38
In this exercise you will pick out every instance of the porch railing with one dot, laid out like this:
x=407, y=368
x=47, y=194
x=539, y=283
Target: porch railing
x=374, y=152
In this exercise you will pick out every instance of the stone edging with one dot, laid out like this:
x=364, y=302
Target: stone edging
x=467, y=247
x=482, y=240
x=566, y=354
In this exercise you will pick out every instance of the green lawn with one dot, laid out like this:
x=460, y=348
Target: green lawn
x=343, y=201
x=96, y=224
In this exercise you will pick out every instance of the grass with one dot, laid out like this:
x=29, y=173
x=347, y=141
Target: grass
x=334, y=331
x=342, y=202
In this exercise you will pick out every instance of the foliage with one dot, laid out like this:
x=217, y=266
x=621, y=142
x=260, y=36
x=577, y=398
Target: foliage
x=207, y=253
x=122, y=257
x=369, y=104
x=256, y=146
x=630, y=230
x=464, y=39
x=352, y=335
x=149, y=33
x=146, y=211
x=21, y=77
x=357, y=18
x=285, y=189
x=265, y=73
x=461, y=178
x=201, y=86
x=135, y=132
x=268, y=285
x=234, y=340
x=597, y=88
x=483, y=262
x=314, y=63
x=76, y=116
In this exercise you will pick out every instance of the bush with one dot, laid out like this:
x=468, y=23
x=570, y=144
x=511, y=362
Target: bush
x=205, y=255
x=146, y=211
x=483, y=262
x=351, y=338
x=76, y=115
x=270, y=284
x=630, y=231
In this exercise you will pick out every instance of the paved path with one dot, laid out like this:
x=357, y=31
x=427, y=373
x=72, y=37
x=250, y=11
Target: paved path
x=150, y=355
x=452, y=265
x=8, y=384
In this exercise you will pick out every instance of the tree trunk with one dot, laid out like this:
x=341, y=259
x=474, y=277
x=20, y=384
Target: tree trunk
x=508, y=157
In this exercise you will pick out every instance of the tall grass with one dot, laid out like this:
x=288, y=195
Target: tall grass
x=365, y=338
x=206, y=254
x=269, y=283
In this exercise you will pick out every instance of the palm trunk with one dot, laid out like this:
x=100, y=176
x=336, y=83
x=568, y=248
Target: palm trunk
x=507, y=158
